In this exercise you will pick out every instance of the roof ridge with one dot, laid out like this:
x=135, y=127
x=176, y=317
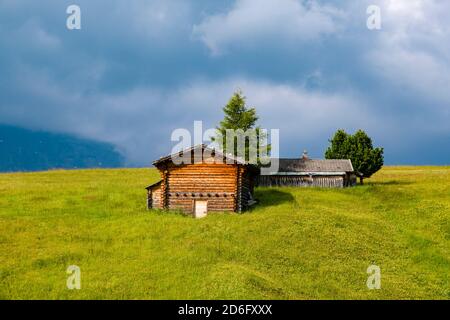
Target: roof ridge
x=315, y=165
x=204, y=147
x=312, y=159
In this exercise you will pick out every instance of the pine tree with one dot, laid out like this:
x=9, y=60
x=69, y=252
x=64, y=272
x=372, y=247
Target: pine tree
x=238, y=116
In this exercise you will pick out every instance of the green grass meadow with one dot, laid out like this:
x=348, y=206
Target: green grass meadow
x=295, y=244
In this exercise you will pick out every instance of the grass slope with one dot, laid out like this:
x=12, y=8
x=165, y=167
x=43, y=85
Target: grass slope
x=296, y=244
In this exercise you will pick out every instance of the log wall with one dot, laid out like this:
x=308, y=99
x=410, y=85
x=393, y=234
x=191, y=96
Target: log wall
x=215, y=183
x=156, y=198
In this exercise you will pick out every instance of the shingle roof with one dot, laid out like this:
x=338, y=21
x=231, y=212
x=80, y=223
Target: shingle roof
x=153, y=184
x=312, y=165
x=204, y=147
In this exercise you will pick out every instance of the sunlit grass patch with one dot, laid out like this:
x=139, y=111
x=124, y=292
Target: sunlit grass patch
x=295, y=244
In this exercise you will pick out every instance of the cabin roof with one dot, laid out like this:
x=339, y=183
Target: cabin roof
x=315, y=165
x=203, y=147
x=153, y=185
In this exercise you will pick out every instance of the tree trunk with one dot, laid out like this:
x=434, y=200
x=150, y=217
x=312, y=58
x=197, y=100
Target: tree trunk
x=361, y=180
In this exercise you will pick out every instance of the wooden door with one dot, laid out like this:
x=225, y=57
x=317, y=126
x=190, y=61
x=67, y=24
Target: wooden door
x=200, y=208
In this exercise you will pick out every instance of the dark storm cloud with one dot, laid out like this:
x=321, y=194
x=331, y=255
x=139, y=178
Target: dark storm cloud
x=139, y=69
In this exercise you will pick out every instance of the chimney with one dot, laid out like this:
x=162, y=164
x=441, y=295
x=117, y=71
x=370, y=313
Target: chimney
x=305, y=155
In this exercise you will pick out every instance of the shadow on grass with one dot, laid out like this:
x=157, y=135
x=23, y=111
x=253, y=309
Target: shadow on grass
x=272, y=197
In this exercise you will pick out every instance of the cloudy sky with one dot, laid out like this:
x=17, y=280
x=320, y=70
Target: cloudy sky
x=139, y=69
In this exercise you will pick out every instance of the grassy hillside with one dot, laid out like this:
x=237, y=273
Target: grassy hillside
x=296, y=244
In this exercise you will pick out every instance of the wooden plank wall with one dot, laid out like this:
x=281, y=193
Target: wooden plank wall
x=301, y=181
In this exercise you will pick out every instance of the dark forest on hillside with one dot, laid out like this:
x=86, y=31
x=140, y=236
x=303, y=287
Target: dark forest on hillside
x=27, y=150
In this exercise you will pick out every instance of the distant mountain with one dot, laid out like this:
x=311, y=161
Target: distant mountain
x=27, y=150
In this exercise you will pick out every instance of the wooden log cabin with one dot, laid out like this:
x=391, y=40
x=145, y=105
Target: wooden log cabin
x=306, y=172
x=209, y=181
